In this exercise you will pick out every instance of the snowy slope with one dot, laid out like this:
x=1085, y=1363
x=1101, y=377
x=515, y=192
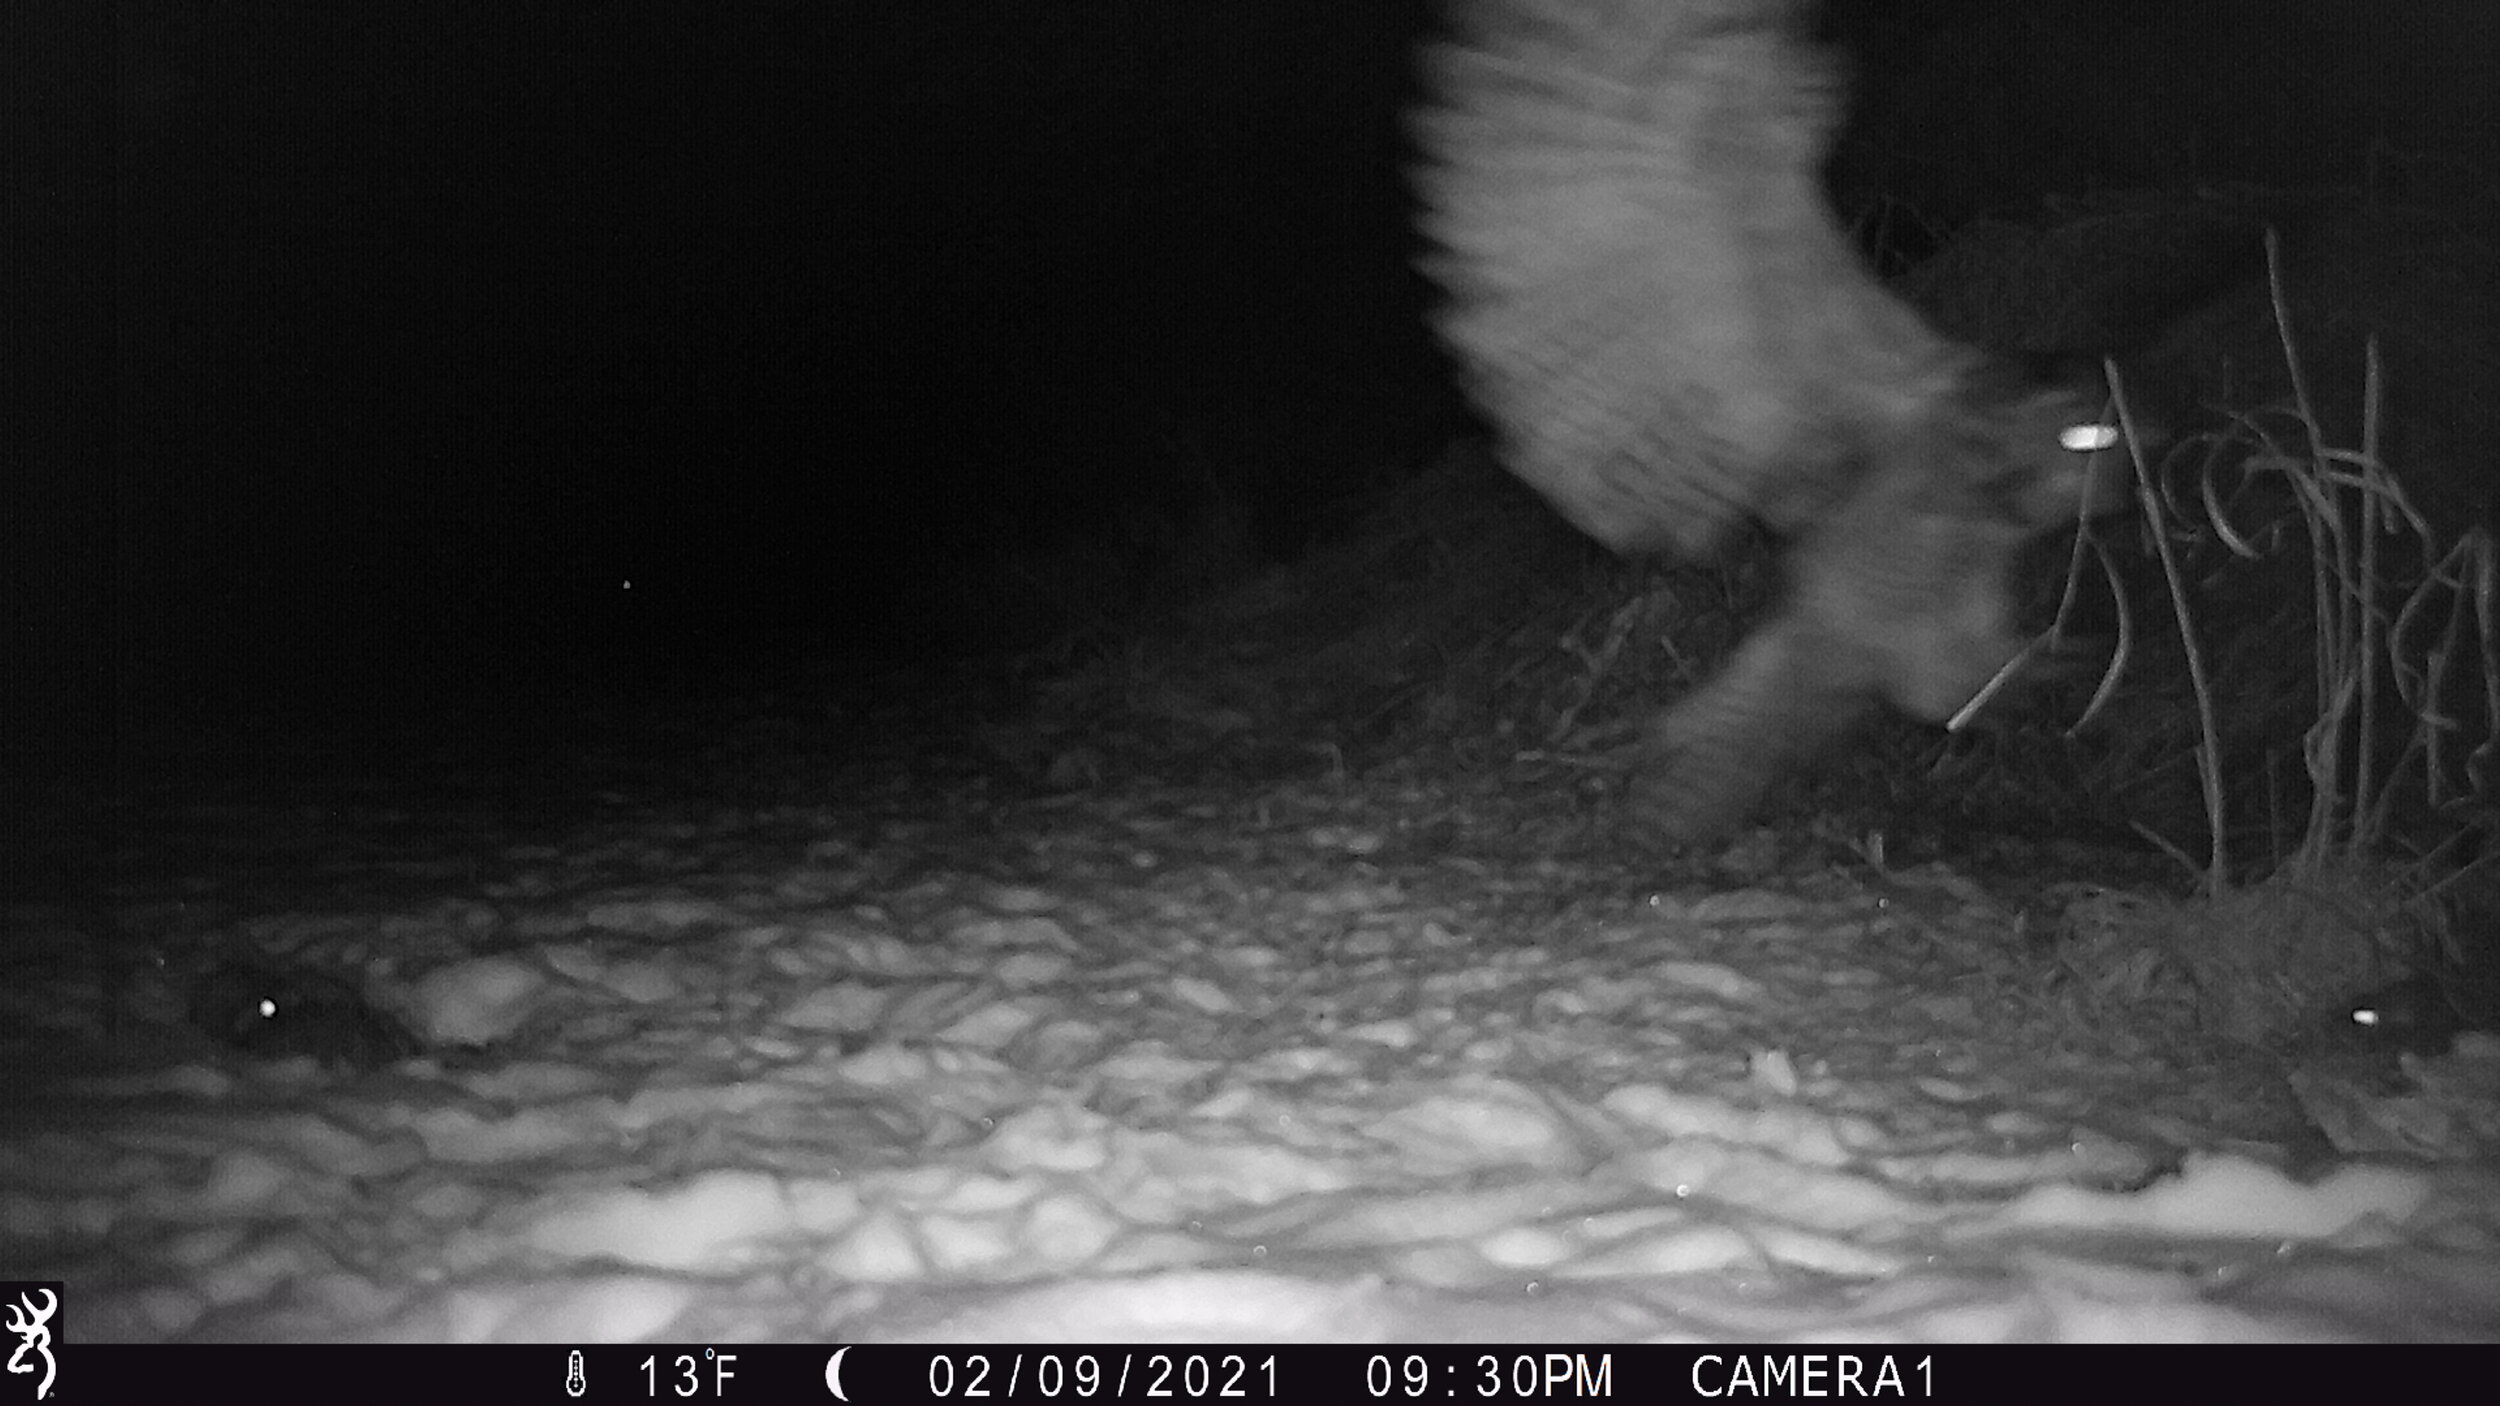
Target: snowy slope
x=1150, y=1064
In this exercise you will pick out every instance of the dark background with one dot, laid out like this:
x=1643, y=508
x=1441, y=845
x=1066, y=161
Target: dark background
x=361, y=354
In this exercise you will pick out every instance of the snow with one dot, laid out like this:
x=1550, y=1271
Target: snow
x=1145, y=1064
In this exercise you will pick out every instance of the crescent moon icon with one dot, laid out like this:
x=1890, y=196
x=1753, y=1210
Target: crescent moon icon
x=833, y=1373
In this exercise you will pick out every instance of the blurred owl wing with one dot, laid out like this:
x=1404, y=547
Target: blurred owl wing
x=1645, y=285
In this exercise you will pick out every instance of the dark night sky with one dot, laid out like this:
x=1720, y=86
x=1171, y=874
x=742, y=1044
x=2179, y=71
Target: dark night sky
x=363, y=350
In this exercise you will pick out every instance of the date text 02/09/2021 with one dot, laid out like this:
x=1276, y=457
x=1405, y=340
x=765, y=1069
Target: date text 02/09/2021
x=1411, y=1374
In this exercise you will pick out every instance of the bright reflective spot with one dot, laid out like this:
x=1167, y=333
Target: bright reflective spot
x=2083, y=439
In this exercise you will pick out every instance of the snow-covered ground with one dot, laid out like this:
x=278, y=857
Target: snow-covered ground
x=901, y=1059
